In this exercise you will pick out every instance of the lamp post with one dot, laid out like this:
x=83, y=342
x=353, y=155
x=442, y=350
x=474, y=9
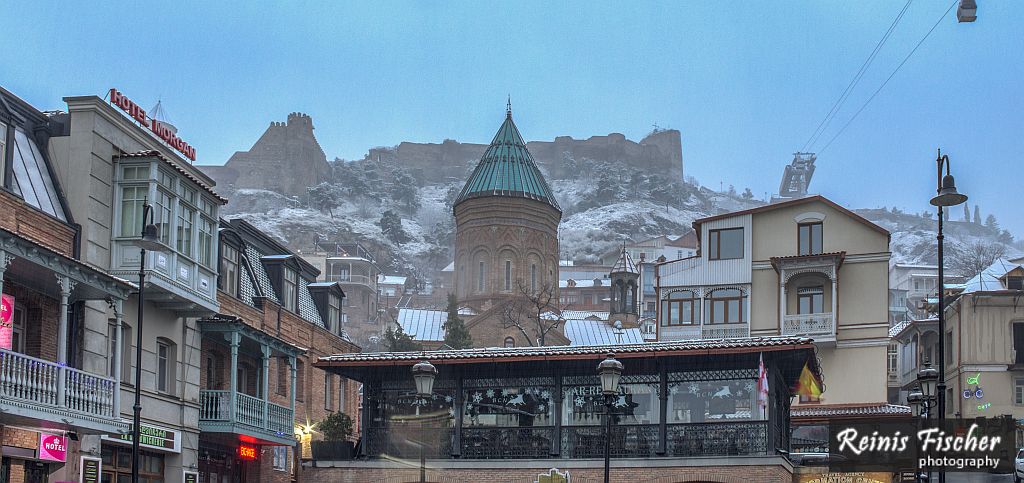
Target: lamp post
x=946, y=195
x=610, y=371
x=423, y=373
x=150, y=241
x=922, y=397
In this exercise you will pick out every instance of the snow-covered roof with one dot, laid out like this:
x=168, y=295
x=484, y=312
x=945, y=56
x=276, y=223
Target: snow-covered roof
x=598, y=332
x=582, y=283
x=988, y=279
x=449, y=268
x=392, y=280
x=423, y=324
x=578, y=314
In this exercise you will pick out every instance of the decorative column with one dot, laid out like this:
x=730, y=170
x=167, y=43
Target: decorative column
x=662, y=409
x=782, y=303
x=235, y=339
x=66, y=285
x=265, y=389
x=5, y=260
x=291, y=394
x=835, y=306
x=459, y=403
x=556, y=445
x=117, y=305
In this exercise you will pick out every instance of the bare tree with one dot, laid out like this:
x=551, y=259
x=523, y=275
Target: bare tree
x=969, y=259
x=534, y=313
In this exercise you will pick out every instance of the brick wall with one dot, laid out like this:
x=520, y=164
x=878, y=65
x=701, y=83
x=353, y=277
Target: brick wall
x=18, y=217
x=20, y=438
x=41, y=319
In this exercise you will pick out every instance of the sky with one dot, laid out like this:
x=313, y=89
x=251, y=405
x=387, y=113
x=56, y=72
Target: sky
x=746, y=83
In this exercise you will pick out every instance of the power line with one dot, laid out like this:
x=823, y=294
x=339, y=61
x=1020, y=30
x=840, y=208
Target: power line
x=818, y=131
x=905, y=59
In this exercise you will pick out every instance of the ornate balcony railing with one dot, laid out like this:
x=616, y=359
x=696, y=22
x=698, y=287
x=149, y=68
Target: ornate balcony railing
x=718, y=438
x=725, y=331
x=259, y=414
x=360, y=279
x=626, y=441
x=404, y=441
x=53, y=387
x=809, y=325
x=507, y=443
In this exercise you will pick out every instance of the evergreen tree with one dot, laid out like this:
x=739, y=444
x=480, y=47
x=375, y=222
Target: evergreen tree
x=967, y=213
x=396, y=340
x=456, y=335
x=990, y=222
x=391, y=225
x=977, y=215
x=747, y=194
x=324, y=197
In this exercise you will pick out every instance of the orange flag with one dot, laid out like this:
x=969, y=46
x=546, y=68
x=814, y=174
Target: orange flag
x=808, y=385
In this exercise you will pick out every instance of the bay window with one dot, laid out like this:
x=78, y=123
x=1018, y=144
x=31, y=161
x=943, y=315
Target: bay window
x=186, y=219
x=206, y=231
x=131, y=210
x=725, y=244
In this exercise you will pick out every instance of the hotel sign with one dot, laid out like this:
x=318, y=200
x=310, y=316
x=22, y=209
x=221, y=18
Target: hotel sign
x=158, y=129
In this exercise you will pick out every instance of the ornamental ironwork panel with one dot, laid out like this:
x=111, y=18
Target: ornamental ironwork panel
x=718, y=439
x=630, y=441
x=596, y=380
x=507, y=443
x=719, y=375
x=406, y=441
x=509, y=382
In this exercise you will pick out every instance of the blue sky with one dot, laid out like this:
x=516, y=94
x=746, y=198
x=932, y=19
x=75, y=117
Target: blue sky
x=746, y=83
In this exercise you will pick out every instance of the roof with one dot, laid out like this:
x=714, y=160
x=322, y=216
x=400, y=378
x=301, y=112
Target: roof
x=578, y=314
x=425, y=325
x=625, y=263
x=623, y=351
x=175, y=166
x=898, y=329
x=585, y=283
x=786, y=204
x=598, y=332
x=507, y=169
x=989, y=278
x=392, y=280
x=850, y=410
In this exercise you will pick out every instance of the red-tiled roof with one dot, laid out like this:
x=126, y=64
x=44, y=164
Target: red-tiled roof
x=496, y=354
x=850, y=410
x=178, y=168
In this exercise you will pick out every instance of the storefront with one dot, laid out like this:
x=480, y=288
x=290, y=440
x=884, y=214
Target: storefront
x=31, y=456
x=158, y=446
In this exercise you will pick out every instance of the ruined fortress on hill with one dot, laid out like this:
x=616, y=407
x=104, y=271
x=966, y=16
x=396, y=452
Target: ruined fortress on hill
x=288, y=159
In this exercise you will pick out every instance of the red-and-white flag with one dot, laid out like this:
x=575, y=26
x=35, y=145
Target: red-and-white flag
x=762, y=385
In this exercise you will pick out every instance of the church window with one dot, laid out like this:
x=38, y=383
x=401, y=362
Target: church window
x=508, y=275
x=533, y=278
x=480, y=277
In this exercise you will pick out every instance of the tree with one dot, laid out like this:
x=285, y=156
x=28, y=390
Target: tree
x=991, y=223
x=324, y=197
x=396, y=340
x=945, y=215
x=1005, y=237
x=967, y=213
x=969, y=259
x=335, y=427
x=533, y=312
x=456, y=335
x=747, y=194
x=977, y=215
x=391, y=225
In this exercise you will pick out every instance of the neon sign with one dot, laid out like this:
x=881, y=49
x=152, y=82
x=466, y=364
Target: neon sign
x=247, y=452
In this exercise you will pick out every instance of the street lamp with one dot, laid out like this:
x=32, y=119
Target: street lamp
x=610, y=371
x=150, y=241
x=423, y=373
x=922, y=398
x=946, y=195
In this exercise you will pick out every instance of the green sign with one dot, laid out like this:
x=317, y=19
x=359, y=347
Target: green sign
x=191, y=477
x=149, y=436
x=90, y=470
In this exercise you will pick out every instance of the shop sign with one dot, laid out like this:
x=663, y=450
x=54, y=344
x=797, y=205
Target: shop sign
x=158, y=129
x=6, y=321
x=846, y=477
x=553, y=476
x=151, y=437
x=247, y=452
x=191, y=477
x=91, y=470
x=52, y=448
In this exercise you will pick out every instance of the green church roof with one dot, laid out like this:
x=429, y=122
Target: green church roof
x=507, y=169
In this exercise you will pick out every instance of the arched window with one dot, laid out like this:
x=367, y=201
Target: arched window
x=681, y=308
x=508, y=275
x=616, y=297
x=726, y=306
x=510, y=342
x=533, y=278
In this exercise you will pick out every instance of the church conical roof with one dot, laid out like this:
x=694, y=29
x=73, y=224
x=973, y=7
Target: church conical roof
x=507, y=169
x=625, y=263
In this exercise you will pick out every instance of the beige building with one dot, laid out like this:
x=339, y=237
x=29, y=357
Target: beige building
x=806, y=267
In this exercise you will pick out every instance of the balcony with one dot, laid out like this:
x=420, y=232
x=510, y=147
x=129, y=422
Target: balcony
x=44, y=390
x=358, y=279
x=239, y=413
x=820, y=327
x=725, y=331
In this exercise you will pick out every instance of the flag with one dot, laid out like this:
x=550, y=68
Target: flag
x=762, y=385
x=808, y=385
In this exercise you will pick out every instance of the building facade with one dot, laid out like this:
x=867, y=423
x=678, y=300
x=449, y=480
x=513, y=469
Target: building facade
x=353, y=267
x=259, y=389
x=805, y=267
x=110, y=162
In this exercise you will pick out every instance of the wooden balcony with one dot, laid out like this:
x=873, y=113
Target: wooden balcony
x=821, y=327
x=242, y=414
x=44, y=390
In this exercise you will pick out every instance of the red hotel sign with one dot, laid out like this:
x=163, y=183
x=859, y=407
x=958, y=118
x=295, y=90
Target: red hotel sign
x=159, y=129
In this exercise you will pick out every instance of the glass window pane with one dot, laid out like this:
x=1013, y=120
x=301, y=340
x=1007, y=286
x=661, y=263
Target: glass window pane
x=713, y=245
x=131, y=210
x=816, y=242
x=673, y=313
x=805, y=240
x=734, y=311
x=718, y=312
x=731, y=243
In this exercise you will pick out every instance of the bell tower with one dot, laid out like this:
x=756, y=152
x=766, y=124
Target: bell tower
x=624, y=277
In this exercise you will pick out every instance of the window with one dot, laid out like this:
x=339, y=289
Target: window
x=131, y=210
x=1018, y=391
x=893, y=358
x=18, y=331
x=510, y=342
x=809, y=235
x=300, y=379
x=163, y=203
x=186, y=218
x=334, y=313
x=726, y=306
x=111, y=349
x=810, y=300
x=1015, y=283
x=725, y=244
x=289, y=289
x=533, y=278
x=126, y=349
x=341, y=393
x=211, y=382
x=1018, y=342
x=679, y=309
x=508, y=275
x=206, y=230
x=117, y=464
x=283, y=383
x=480, y=277
x=328, y=391
x=281, y=458
x=229, y=270
x=165, y=365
